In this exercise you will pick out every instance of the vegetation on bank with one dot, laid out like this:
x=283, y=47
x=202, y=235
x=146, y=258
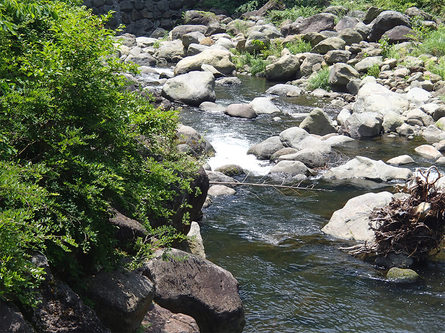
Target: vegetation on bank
x=74, y=142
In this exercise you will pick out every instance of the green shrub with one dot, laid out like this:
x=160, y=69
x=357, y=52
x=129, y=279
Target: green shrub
x=374, y=70
x=319, y=80
x=298, y=46
x=71, y=137
x=434, y=42
x=437, y=68
x=278, y=16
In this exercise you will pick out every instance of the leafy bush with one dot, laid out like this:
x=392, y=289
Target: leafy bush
x=374, y=70
x=319, y=80
x=278, y=16
x=438, y=68
x=72, y=143
x=434, y=42
x=255, y=63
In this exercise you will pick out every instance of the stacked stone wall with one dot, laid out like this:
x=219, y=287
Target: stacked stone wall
x=141, y=17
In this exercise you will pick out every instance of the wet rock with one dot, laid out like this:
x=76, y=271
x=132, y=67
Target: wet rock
x=315, y=23
x=215, y=176
x=318, y=122
x=340, y=75
x=283, y=151
x=367, y=169
x=288, y=90
x=328, y=44
x=220, y=190
x=191, y=285
x=400, y=160
x=121, y=299
x=11, y=319
x=264, y=105
x=394, y=260
x=402, y=275
x=428, y=152
x=286, y=68
x=192, y=88
x=311, y=157
x=230, y=170
x=160, y=320
x=216, y=57
x=212, y=107
x=240, y=111
x=265, y=149
x=386, y=21
x=195, y=143
x=352, y=222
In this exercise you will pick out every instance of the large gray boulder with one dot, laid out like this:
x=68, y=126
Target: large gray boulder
x=352, y=222
x=315, y=23
x=340, y=75
x=194, y=37
x=367, y=169
x=373, y=97
x=264, y=105
x=328, y=44
x=171, y=51
x=335, y=56
x=310, y=60
x=121, y=299
x=364, y=125
x=241, y=111
x=181, y=30
x=399, y=34
x=290, y=168
x=368, y=62
x=350, y=36
x=315, y=157
x=265, y=149
x=318, y=122
x=11, y=319
x=285, y=68
x=192, y=88
x=160, y=320
x=385, y=21
x=216, y=57
x=188, y=284
x=193, y=143
x=346, y=22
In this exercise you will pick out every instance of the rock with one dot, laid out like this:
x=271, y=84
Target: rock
x=265, y=149
x=366, y=63
x=309, y=63
x=241, y=111
x=373, y=97
x=440, y=161
x=398, y=34
x=212, y=107
x=283, y=151
x=194, y=240
x=198, y=17
x=385, y=21
x=345, y=23
x=286, y=68
x=127, y=230
x=60, y=309
x=371, y=14
x=171, y=51
x=352, y=222
x=290, y=168
x=350, y=36
x=220, y=190
x=335, y=56
x=418, y=96
x=142, y=59
x=288, y=90
x=365, y=168
x=215, y=176
x=121, y=299
x=194, y=37
x=353, y=86
x=391, y=121
x=394, y=260
x=433, y=134
x=419, y=116
x=230, y=170
x=228, y=81
x=264, y=105
x=318, y=122
x=315, y=23
x=400, y=160
x=311, y=157
x=195, y=49
x=328, y=44
x=338, y=140
x=428, y=152
x=216, y=57
x=196, y=144
x=440, y=146
x=292, y=137
x=160, y=320
x=192, y=88
x=191, y=285
x=181, y=30
x=11, y=320
x=340, y=75
x=402, y=275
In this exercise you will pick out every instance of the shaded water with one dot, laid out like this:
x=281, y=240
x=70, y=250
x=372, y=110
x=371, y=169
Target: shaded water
x=292, y=277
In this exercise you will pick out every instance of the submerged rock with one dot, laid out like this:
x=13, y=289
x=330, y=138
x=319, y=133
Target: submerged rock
x=402, y=275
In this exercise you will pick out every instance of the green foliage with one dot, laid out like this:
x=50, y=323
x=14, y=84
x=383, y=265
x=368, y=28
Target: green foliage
x=255, y=63
x=374, y=70
x=319, y=80
x=298, y=46
x=437, y=68
x=434, y=42
x=73, y=143
x=278, y=16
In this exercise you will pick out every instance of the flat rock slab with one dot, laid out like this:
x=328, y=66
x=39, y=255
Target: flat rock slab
x=188, y=284
x=352, y=221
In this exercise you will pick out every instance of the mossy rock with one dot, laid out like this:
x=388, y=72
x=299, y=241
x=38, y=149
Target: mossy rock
x=231, y=170
x=402, y=275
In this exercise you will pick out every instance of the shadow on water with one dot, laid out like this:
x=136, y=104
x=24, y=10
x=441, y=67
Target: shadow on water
x=292, y=277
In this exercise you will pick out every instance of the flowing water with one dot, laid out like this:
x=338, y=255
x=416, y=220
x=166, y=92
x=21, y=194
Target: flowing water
x=292, y=277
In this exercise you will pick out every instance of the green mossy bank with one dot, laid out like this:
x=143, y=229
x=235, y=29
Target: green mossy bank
x=74, y=143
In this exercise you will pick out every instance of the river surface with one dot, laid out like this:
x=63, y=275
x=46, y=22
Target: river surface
x=292, y=277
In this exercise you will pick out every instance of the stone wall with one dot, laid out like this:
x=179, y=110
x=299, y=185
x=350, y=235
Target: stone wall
x=141, y=17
